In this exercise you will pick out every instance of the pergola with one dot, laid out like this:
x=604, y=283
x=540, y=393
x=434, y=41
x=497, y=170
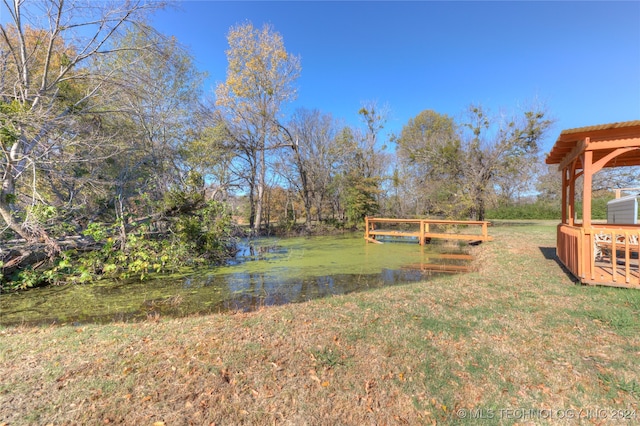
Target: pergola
x=601, y=254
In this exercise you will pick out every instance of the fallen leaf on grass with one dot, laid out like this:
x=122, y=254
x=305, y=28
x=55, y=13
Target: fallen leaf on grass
x=313, y=376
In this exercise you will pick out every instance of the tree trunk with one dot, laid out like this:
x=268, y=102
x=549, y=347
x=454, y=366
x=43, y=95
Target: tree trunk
x=260, y=198
x=481, y=209
x=7, y=192
x=5, y=212
x=307, y=211
x=21, y=254
x=258, y=219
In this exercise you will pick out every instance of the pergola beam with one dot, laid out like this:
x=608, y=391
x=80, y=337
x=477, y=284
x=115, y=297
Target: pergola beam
x=601, y=163
x=587, y=150
x=614, y=144
x=576, y=152
x=584, y=152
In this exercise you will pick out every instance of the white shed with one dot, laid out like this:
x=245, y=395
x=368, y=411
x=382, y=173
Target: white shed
x=623, y=210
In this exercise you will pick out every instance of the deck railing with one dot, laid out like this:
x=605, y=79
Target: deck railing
x=601, y=254
x=425, y=229
x=569, y=248
x=615, y=254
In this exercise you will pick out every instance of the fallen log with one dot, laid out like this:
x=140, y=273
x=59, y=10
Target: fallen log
x=19, y=254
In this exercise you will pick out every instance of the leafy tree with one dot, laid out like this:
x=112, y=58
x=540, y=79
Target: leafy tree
x=549, y=184
x=312, y=167
x=281, y=206
x=218, y=167
x=51, y=93
x=158, y=88
x=358, y=184
x=457, y=169
x=497, y=150
x=430, y=156
x=260, y=80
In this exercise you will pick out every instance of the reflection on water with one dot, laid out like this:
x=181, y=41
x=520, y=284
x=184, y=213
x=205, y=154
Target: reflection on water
x=265, y=273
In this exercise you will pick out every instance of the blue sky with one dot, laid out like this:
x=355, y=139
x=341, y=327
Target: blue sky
x=582, y=59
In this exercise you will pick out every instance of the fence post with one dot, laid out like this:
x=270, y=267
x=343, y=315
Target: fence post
x=366, y=228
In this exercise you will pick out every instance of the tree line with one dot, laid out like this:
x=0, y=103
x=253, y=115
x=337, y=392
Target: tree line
x=106, y=133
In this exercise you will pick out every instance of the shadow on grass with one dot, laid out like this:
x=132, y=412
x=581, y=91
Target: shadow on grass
x=549, y=253
x=503, y=222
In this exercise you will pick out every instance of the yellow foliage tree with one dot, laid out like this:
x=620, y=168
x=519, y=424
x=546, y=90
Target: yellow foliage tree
x=260, y=80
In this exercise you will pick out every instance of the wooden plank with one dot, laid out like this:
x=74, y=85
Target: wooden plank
x=372, y=240
x=431, y=221
x=432, y=235
x=449, y=256
x=459, y=237
x=423, y=233
x=577, y=150
x=612, y=284
x=441, y=266
x=391, y=220
x=438, y=267
x=394, y=233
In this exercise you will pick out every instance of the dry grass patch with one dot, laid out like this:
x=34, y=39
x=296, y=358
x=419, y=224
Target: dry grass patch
x=515, y=334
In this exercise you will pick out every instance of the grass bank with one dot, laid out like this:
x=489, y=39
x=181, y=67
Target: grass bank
x=516, y=341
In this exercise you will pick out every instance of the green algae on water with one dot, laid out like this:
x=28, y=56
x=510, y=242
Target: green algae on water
x=266, y=272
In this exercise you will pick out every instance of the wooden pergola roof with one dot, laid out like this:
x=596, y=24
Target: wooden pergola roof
x=603, y=140
x=581, y=153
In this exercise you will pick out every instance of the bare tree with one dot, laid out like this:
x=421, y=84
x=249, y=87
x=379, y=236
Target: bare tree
x=157, y=92
x=50, y=90
x=260, y=80
x=496, y=149
x=312, y=165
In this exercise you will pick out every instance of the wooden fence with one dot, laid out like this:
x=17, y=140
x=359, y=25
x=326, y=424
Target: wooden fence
x=426, y=229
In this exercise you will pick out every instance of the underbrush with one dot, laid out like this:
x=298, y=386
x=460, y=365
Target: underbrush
x=205, y=236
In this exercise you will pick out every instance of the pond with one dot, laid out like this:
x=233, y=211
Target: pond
x=265, y=272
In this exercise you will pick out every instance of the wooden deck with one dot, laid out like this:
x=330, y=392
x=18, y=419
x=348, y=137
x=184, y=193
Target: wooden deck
x=611, y=253
x=424, y=230
x=603, y=275
x=581, y=153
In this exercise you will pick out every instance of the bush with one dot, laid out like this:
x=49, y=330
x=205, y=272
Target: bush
x=537, y=210
x=547, y=210
x=199, y=237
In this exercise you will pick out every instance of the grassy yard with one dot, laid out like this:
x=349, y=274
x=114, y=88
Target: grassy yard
x=514, y=342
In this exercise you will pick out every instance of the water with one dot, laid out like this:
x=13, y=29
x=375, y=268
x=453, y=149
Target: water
x=267, y=272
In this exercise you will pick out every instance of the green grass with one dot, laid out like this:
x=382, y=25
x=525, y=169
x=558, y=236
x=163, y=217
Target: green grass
x=517, y=333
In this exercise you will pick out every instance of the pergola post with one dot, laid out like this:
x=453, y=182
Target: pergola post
x=564, y=195
x=583, y=152
x=587, y=173
x=572, y=194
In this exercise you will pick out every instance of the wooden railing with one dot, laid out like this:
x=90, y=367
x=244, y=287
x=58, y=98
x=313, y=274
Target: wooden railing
x=569, y=248
x=601, y=254
x=425, y=229
x=615, y=255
